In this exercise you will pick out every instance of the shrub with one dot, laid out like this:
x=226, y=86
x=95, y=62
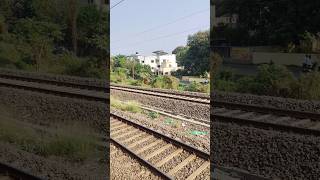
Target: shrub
x=198, y=87
x=310, y=86
x=224, y=85
x=153, y=115
x=273, y=80
x=167, y=82
x=130, y=106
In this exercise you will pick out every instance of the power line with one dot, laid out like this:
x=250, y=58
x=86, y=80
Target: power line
x=117, y=4
x=166, y=24
x=161, y=37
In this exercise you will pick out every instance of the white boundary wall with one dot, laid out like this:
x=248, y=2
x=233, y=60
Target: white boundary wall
x=282, y=58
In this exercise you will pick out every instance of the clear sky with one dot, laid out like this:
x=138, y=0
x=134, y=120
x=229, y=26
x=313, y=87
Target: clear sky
x=145, y=26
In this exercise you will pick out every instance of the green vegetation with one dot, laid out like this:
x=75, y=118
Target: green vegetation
x=173, y=123
x=273, y=80
x=266, y=23
x=130, y=106
x=74, y=144
x=153, y=115
x=60, y=36
x=194, y=57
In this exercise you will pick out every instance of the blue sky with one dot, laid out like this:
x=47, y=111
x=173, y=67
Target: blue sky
x=147, y=25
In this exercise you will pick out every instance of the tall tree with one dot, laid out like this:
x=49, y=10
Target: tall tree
x=196, y=58
x=73, y=14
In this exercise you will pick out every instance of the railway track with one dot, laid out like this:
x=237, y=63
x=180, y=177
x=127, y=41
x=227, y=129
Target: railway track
x=49, y=88
x=8, y=172
x=269, y=118
x=167, y=157
x=296, y=121
x=263, y=117
x=171, y=95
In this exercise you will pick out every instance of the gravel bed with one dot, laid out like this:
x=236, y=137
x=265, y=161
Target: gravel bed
x=186, y=108
x=136, y=139
x=265, y=152
x=190, y=168
x=160, y=156
x=166, y=90
x=48, y=110
x=141, y=145
x=174, y=161
x=204, y=175
x=59, y=78
x=268, y=101
x=52, y=112
x=127, y=136
x=47, y=167
x=124, y=166
x=180, y=133
x=154, y=148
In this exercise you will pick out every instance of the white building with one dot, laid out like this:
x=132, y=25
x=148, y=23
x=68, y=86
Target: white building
x=161, y=63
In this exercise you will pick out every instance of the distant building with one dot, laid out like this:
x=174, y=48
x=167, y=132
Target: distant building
x=161, y=63
x=230, y=20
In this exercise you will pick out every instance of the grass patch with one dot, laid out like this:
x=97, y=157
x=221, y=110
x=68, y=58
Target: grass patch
x=66, y=142
x=173, y=123
x=130, y=106
x=153, y=115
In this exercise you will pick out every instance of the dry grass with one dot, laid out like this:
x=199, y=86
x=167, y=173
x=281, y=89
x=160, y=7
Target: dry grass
x=72, y=142
x=130, y=106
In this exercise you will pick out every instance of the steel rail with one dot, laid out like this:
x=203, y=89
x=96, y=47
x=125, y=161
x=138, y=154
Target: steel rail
x=189, y=148
x=162, y=91
x=186, y=97
x=17, y=173
x=245, y=175
x=49, y=90
x=267, y=125
x=142, y=160
x=56, y=82
x=165, y=95
x=268, y=110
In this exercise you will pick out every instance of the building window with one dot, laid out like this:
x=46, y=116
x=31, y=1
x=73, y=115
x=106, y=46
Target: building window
x=166, y=73
x=152, y=61
x=142, y=62
x=157, y=61
x=170, y=65
x=158, y=66
x=152, y=67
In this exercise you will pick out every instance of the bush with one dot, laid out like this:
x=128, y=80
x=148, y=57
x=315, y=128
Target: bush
x=153, y=115
x=198, y=87
x=130, y=106
x=167, y=82
x=273, y=80
x=224, y=85
x=310, y=86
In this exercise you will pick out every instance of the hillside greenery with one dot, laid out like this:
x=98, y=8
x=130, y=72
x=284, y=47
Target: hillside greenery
x=61, y=37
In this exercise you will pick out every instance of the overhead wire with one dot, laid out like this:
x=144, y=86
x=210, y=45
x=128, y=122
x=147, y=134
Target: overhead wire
x=117, y=4
x=163, y=25
x=161, y=37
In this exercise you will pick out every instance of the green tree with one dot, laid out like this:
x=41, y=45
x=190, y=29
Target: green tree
x=39, y=35
x=196, y=59
x=269, y=22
